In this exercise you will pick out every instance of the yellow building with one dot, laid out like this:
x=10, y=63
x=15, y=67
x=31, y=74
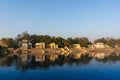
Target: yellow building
x=40, y=45
x=53, y=45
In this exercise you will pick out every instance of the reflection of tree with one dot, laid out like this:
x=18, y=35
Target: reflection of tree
x=5, y=62
x=32, y=65
x=47, y=64
x=3, y=51
x=111, y=58
x=84, y=60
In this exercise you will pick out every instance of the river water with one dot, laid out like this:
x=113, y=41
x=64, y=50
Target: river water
x=63, y=69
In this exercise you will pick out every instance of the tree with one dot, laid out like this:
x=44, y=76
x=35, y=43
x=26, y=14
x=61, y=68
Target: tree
x=20, y=37
x=9, y=42
x=24, y=35
x=101, y=40
x=68, y=42
x=33, y=39
x=3, y=51
x=83, y=41
x=58, y=40
x=111, y=42
x=40, y=38
x=108, y=41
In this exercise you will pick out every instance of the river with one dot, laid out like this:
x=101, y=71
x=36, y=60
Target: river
x=63, y=69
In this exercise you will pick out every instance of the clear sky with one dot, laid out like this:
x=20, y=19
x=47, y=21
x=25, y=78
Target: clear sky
x=65, y=18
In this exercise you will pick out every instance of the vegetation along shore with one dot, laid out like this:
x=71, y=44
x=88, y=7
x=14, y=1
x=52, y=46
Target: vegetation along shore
x=45, y=47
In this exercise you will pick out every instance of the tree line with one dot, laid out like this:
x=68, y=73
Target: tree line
x=109, y=41
x=62, y=42
x=83, y=41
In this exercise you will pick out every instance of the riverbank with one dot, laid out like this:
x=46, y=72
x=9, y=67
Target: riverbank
x=41, y=55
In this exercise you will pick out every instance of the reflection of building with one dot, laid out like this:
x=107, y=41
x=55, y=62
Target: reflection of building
x=53, y=45
x=77, y=46
x=100, y=55
x=40, y=45
x=40, y=58
x=23, y=57
x=52, y=57
x=77, y=55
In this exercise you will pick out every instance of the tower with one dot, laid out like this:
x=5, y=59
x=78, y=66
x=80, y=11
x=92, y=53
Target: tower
x=24, y=46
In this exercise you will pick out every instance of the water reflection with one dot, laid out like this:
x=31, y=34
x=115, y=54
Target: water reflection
x=24, y=62
x=112, y=58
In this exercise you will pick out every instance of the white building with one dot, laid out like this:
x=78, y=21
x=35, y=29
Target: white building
x=40, y=45
x=98, y=46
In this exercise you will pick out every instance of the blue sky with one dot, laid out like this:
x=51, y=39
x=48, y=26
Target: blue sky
x=65, y=18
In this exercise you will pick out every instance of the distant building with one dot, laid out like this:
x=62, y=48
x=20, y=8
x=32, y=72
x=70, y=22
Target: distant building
x=24, y=46
x=98, y=46
x=77, y=46
x=40, y=45
x=53, y=45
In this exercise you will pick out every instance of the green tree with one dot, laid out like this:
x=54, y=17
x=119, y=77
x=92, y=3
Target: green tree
x=68, y=42
x=9, y=42
x=24, y=35
x=20, y=37
x=111, y=42
x=83, y=41
x=33, y=39
x=3, y=51
x=101, y=40
x=58, y=40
